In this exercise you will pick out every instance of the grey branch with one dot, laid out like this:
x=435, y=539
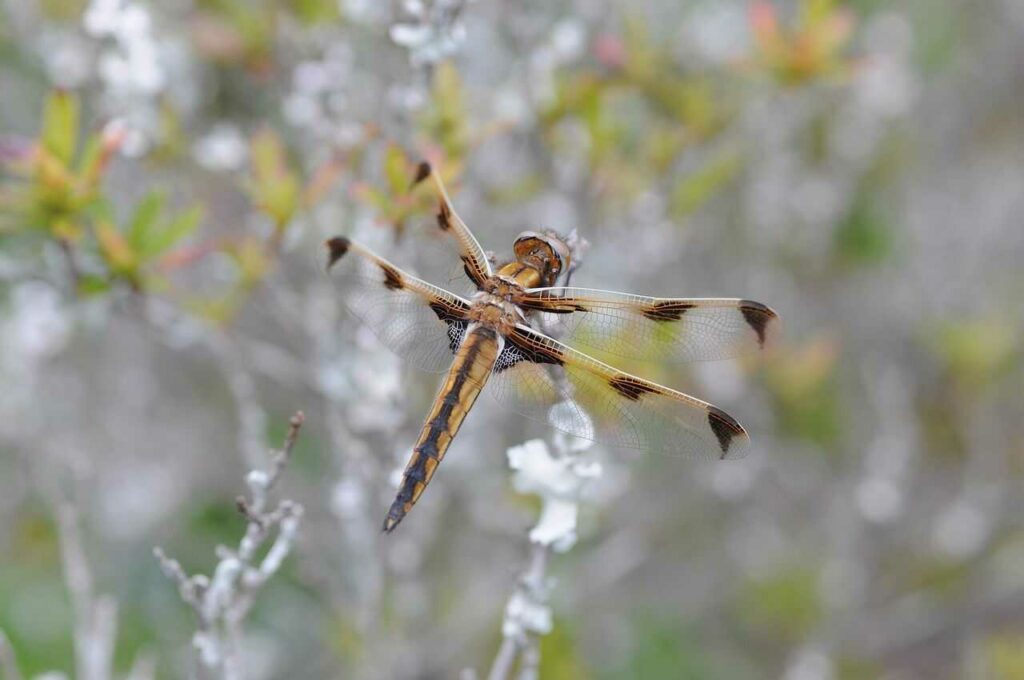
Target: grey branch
x=532, y=590
x=95, y=618
x=222, y=602
x=8, y=660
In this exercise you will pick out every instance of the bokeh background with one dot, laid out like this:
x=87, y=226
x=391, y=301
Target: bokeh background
x=170, y=170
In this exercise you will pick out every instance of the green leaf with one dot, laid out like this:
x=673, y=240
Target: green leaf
x=975, y=352
x=396, y=170
x=864, y=237
x=784, y=606
x=144, y=220
x=276, y=186
x=90, y=284
x=91, y=155
x=177, y=229
x=695, y=189
x=119, y=255
x=60, y=126
x=312, y=12
x=268, y=160
x=447, y=121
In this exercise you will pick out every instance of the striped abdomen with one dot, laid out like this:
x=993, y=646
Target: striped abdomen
x=466, y=377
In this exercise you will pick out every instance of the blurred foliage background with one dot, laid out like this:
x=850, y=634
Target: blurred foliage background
x=170, y=171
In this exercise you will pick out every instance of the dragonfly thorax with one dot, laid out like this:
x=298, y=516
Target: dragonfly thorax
x=495, y=312
x=502, y=286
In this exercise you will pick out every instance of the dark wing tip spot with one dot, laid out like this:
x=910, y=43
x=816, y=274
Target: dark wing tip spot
x=336, y=249
x=422, y=172
x=725, y=428
x=758, y=316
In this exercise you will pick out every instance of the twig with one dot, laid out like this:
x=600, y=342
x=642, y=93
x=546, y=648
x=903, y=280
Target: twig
x=222, y=602
x=72, y=263
x=8, y=659
x=95, y=618
x=525, y=614
x=143, y=668
x=504, y=660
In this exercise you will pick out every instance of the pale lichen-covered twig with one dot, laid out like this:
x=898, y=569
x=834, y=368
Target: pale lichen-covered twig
x=221, y=602
x=95, y=618
x=8, y=660
x=94, y=626
x=558, y=479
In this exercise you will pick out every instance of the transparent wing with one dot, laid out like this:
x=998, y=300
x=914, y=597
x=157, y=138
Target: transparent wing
x=420, y=322
x=474, y=259
x=548, y=381
x=638, y=327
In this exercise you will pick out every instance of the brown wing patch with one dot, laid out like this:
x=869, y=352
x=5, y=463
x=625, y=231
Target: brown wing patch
x=724, y=426
x=552, y=304
x=667, y=310
x=392, y=278
x=336, y=249
x=520, y=345
x=630, y=387
x=447, y=312
x=757, y=317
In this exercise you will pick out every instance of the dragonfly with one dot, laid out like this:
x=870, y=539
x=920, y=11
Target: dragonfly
x=515, y=335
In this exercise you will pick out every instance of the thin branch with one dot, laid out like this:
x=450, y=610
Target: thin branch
x=95, y=618
x=521, y=629
x=505, y=660
x=74, y=272
x=8, y=659
x=221, y=602
x=143, y=668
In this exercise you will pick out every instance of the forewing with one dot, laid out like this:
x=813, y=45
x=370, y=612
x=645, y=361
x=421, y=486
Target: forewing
x=474, y=259
x=551, y=382
x=420, y=322
x=648, y=328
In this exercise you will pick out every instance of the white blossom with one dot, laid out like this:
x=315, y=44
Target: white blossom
x=525, y=615
x=558, y=480
x=223, y=148
x=433, y=34
x=557, y=525
x=130, y=67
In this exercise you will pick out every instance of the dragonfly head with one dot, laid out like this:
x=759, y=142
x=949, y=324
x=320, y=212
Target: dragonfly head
x=545, y=251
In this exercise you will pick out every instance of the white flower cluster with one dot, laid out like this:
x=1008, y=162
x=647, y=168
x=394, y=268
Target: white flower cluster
x=435, y=32
x=222, y=149
x=559, y=478
x=318, y=103
x=129, y=66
